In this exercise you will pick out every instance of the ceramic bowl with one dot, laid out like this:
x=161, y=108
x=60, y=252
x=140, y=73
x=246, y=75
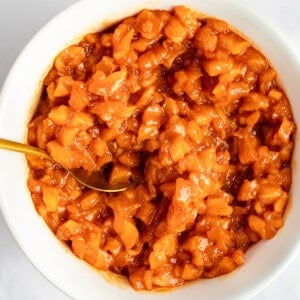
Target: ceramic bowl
x=18, y=99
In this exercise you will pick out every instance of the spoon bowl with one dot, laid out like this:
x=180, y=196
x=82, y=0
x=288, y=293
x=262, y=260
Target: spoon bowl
x=94, y=180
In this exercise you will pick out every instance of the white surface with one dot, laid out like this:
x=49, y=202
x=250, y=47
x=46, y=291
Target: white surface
x=19, y=20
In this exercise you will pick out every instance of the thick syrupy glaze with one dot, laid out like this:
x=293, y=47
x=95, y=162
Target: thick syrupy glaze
x=193, y=112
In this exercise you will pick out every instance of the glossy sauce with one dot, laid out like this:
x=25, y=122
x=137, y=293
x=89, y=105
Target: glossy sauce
x=187, y=107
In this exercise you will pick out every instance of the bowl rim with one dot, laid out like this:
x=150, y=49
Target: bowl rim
x=6, y=90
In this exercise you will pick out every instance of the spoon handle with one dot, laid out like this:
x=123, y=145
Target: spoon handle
x=18, y=147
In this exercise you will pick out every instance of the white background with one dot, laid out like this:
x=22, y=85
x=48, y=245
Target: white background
x=19, y=21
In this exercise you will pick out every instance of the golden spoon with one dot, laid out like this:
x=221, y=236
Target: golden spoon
x=94, y=180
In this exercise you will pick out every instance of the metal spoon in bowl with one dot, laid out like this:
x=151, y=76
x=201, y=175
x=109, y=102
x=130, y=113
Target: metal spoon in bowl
x=95, y=180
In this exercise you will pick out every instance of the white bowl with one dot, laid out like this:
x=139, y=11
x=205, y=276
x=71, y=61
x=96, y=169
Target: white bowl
x=264, y=261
